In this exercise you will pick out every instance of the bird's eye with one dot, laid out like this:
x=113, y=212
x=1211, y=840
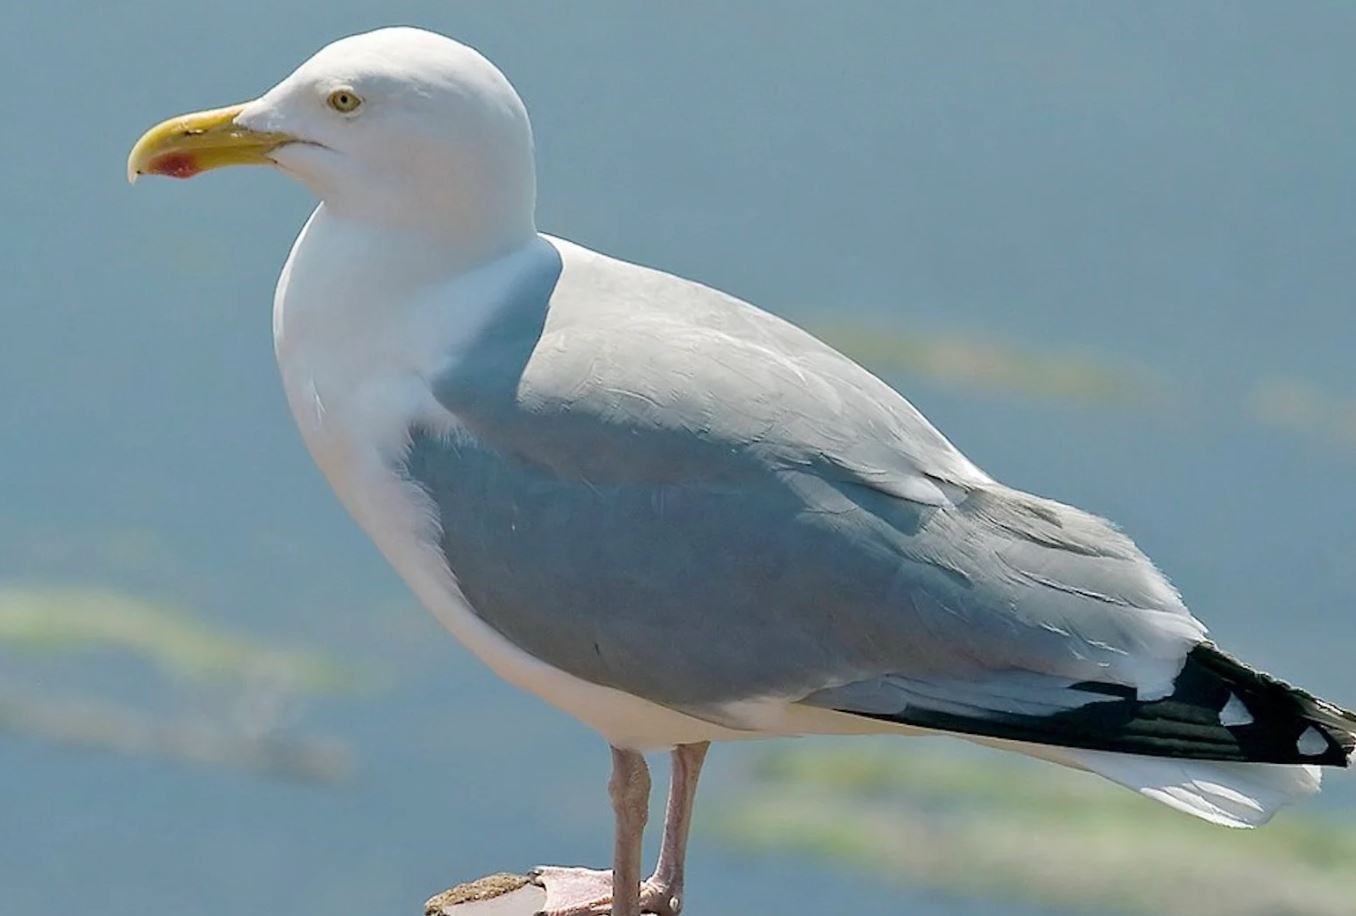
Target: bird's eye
x=344, y=101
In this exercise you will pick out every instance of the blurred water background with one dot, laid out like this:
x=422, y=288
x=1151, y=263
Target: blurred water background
x=1106, y=247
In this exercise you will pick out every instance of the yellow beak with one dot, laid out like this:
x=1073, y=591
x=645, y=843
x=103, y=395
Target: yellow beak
x=184, y=146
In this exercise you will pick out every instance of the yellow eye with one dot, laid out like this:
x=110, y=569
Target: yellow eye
x=344, y=101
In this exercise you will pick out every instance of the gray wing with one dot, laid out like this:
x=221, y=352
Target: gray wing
x=667, y=491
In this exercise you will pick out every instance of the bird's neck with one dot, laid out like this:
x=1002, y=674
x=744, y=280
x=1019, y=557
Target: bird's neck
x=447, y=242
x=348, y=282
x=402, y=258
x=463, y=217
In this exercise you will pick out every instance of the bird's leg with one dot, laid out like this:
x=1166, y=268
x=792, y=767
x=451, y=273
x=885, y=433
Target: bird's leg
x=589, y=892
x=629, y=788
x=663, y=892
x=586, y=890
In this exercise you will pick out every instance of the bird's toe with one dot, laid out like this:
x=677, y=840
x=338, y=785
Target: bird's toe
x=574, y=891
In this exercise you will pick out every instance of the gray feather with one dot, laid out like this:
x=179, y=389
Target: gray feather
x=670, y=492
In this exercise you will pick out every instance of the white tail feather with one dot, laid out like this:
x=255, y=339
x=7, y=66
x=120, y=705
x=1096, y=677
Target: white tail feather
x=1221, y=792
x=1225, y=793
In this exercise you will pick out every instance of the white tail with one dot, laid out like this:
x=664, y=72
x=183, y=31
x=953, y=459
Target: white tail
x=1226, y=793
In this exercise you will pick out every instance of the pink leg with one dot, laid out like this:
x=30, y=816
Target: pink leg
x=590, y=892
x=663, y=892
x=630, y=791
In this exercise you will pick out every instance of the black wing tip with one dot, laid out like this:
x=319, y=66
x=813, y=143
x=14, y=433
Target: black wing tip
x=1285, y=716
x=1273, y=723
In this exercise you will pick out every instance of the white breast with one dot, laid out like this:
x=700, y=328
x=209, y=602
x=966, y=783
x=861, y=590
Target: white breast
x=360, y=328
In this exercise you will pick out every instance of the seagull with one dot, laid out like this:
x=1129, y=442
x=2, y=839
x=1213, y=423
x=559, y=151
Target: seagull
x=677, y=517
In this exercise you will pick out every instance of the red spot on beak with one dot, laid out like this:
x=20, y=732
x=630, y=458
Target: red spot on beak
x=175, y=165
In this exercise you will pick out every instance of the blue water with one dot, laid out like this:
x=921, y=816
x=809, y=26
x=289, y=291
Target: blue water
x=1159, y=186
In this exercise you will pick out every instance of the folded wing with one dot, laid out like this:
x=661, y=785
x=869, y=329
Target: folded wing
x=664, y=490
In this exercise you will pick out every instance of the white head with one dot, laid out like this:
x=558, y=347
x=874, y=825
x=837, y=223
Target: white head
x=398, y=127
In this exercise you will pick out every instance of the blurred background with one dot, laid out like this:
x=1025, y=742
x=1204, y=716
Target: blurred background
x=1106, y=247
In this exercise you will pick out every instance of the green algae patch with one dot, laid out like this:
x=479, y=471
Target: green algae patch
x=52, y=619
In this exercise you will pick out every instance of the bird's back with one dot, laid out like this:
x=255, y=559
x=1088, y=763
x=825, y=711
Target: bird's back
x=660, y=464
